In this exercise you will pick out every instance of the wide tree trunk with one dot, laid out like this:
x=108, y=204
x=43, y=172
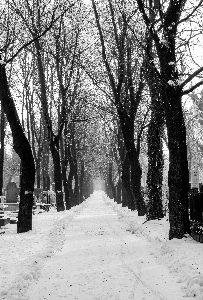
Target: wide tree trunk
x=111, y=182
x=45, y=162
x=2, y=130
x=119, y=190
x=64, y=165
x=70, y=189
x=76, y=188
x=23, y=149
x=127, y=194
x=38, y=171
x=57, y=177
x=136, y=171
x=71, y=177
x=108, y=188
x=87, y=185
x=136, y=175
x=82, y=177
x=155, y=161
x=178, y=176
x=154, y=137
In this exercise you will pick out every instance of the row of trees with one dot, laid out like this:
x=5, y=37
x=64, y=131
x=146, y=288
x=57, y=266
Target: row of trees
x=160, y=46
x=99, y=85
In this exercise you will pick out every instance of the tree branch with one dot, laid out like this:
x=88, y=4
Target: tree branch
x=110, y=75
x=192, y=88
x=40, y=35
x=191, y=77
x=190, y=15
x=114, y=24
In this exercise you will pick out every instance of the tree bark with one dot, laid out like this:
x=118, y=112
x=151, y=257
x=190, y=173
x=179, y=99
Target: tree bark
x=155, y=147
x=82, y=177
x=178, y=176
x=136, y=175
x=23, y=149
x=71, y=176
x=2, y=129
x=127, y=125
x=155, y=163
x=127, y=194
x=76, y=188
x=119, y=190
x=38, y=171
x=64, y=165
x=111, y=182
x=57, y=177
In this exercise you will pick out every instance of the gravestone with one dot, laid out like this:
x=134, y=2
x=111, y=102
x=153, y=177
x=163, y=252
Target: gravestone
x=12, y=193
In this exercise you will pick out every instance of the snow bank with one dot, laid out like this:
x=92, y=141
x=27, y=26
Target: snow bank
x=183, y=257
x=23, y=255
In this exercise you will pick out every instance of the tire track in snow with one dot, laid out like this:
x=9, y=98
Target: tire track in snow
x=138, y=275
x=28, y=268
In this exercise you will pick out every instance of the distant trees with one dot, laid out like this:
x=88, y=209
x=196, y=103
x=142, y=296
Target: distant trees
x=121, y=67
x=21, y=143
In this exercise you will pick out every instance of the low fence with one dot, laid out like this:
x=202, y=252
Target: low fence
x=196, y=207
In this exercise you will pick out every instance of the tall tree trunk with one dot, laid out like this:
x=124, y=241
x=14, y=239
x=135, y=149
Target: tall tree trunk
x=82, y=177
x=178, y=179
x=57, y=177
x=71, y=176
x=178, y=176
x=64, y=165
x=53, y=140
x=23, y=149
x=2, y=129
x=155, y=135
x=127, y=126
x=155, y=162
x=76, y=188
x=155, y=147
x=38, y=171
x=119, y=190
x=136, y=175
x=87, y=185
x=127, y=194
x=110, y=181
x=45, y=162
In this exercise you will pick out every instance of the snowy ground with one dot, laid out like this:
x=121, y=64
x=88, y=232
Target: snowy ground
x=98, y=251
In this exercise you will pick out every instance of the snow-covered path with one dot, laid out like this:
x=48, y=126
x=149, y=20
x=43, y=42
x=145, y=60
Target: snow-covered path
x=102, y=260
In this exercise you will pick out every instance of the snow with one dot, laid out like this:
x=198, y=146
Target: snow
x=98, y=250
x=172, y=83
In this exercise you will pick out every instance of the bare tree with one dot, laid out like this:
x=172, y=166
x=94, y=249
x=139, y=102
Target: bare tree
x=164, y=31
x=126, y=96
